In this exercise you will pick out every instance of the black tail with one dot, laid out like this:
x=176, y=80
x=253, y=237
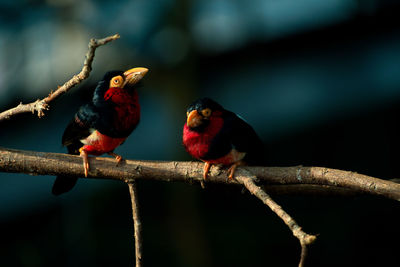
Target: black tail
x=63, y=184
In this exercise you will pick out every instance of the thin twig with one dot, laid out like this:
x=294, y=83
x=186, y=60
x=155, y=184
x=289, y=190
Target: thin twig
x=305, y=239
x=323, y=179
x=41, y=105
x=136, y=222
x=303, y=255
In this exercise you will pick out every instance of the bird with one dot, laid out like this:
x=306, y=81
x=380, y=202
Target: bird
x=104, y=123
x=215, y=135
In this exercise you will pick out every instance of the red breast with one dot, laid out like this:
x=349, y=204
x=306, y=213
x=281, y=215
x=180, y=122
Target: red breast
x=127, y=107
x=196, y=143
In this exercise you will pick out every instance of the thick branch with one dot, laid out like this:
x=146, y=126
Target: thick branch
x=41, y=163
x=310, y=189
x=41, y=105
x=136, y=222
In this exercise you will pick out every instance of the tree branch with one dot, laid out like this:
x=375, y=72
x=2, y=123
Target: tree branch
x=305, y=239
x=41, y=163
x=310, y=189
x=312, y=179
x=136, y=222
x=41, y=105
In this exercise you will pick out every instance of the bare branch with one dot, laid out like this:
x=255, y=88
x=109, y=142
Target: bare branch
x=303, y=255
x=40, y=163
x=310, y=189
x=136, y=222
x=41, y=105
x=247, y=179
x=309, y=179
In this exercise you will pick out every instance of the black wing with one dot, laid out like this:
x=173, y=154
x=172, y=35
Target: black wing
x=79, y=128
x=76, y=130
x=237, y=134
x=245, y=139
x=74, y=133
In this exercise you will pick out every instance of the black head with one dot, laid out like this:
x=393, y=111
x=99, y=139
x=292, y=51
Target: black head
x=120, y=79
x=110, y=74
x=204, y=103
x=124, y=79
x=200, y=111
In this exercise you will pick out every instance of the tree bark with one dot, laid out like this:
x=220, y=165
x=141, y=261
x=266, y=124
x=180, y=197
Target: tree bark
x=41, y=105
x=312, y=179
x=137, y=224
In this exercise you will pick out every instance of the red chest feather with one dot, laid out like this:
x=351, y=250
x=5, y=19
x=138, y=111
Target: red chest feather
x=197, y=144
x=127, y=108
x=97, y=143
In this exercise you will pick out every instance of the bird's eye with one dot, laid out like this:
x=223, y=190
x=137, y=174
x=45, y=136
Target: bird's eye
x=116, y=81
x=206, y=112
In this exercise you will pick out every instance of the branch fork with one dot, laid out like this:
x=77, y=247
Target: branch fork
x=248, y=180
x=308, y=179
x=283, y=179
x=41, y=105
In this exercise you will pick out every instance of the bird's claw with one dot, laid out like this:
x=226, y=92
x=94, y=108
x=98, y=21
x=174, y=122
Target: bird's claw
x=117, y=157
x=84, y=156
x=86, y=168
x=206, y=169
x=232, y=169
x=231, y=172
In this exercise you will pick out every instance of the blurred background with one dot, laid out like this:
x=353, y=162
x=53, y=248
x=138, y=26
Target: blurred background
x=318, y=80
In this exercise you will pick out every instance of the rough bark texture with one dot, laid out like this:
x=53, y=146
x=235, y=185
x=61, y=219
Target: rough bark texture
x=42, y=163
x=305, y=239
x=136, y=223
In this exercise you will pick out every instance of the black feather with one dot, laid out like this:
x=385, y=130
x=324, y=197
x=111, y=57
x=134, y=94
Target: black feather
x=235, y=133
x=73, y=133
x=63, y=184
x=96, y=115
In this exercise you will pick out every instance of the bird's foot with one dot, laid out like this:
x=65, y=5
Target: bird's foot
x=117, y=157
x=232, y=169
x=84, y=156
x=206, y=169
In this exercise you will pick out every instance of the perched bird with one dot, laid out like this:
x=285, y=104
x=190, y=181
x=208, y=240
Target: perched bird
x=104, y=123
x=218, y=136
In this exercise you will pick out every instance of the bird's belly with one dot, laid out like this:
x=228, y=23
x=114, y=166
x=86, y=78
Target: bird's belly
x=97, y=143
x=230, y=158
x=197, y=150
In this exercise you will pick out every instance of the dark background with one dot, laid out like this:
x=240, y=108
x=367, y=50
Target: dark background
x=318, y=80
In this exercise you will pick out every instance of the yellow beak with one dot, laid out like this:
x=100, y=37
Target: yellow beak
x=194, y=119
x=134, y=75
